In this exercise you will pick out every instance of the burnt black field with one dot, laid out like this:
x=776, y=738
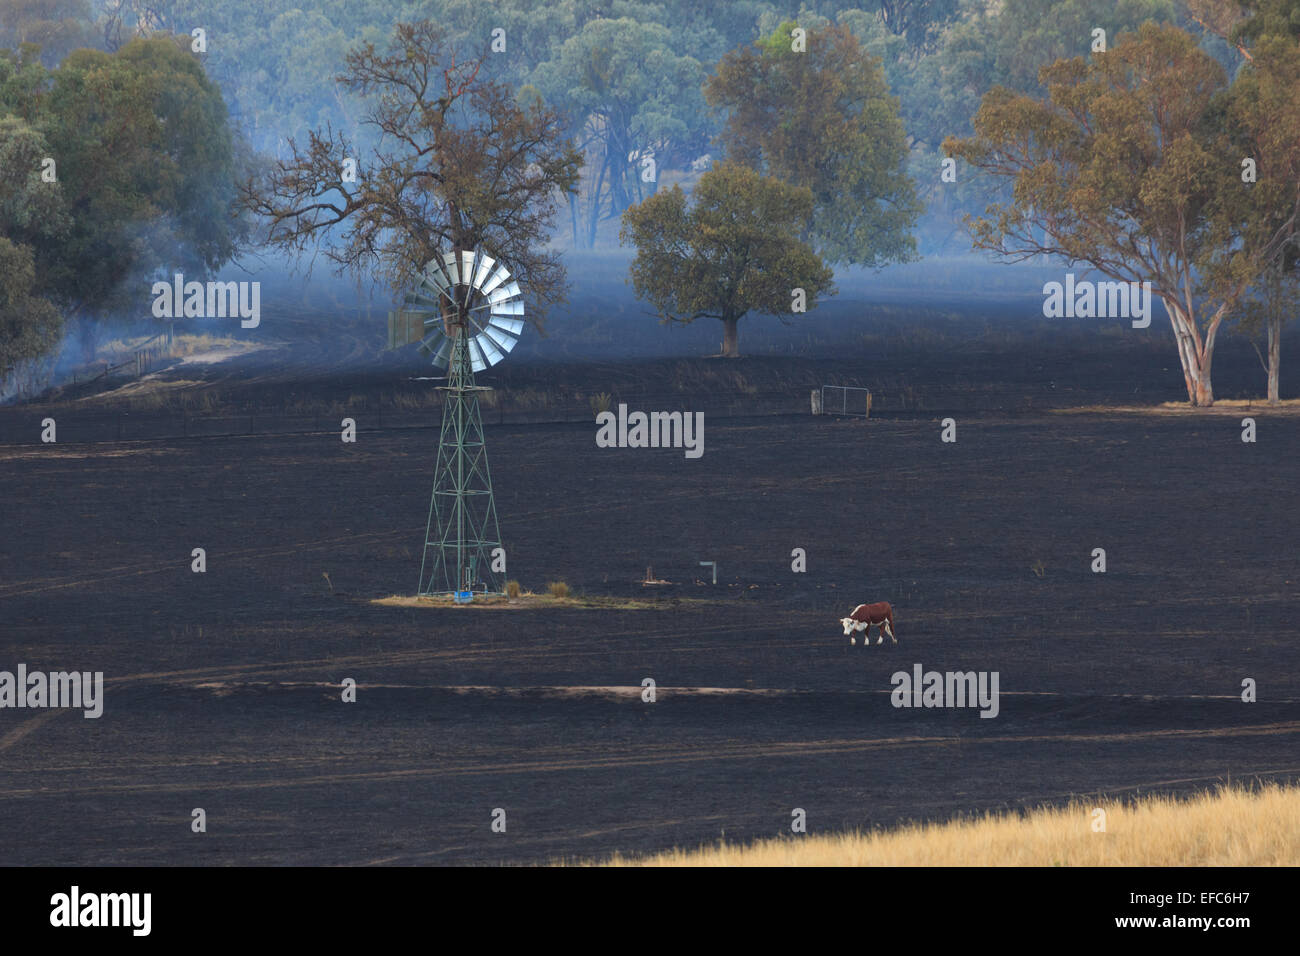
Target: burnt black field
x=222, y=689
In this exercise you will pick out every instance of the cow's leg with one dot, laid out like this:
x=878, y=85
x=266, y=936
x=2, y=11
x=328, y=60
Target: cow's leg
x=891, y=632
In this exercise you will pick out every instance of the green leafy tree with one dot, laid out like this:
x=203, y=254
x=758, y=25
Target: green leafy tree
x=1278, y=18
x=57, y=27
x=23, y=79
x=148, y=171
x=986, y=45
x=1003, y=45
x=118, y=165
x=733, y=250
x=1271, y=303
x=1257, y=223
x=824, y=119
x=918, y=20
x=30, y=325
x=274, y=63
x=1032, y=34
x=32, y=210
x=1121, y=168
x=632, y=99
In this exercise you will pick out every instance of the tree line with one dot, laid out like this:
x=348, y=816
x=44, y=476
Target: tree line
x=1142, y=159
x=748, y=148
x=114, y=165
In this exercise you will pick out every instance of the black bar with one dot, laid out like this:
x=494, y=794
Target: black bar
x=919, y=906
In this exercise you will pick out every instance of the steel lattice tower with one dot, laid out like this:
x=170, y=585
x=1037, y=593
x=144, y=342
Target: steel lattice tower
x=462, y=529
x=467, y=313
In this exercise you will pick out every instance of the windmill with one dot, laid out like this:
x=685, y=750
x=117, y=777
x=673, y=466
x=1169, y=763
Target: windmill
x=467, y=313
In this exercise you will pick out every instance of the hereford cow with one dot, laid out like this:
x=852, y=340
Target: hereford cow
x=866, y=615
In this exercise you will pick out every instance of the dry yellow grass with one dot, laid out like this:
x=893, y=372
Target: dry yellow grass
x=1223, y=406
x=1227, y=827
x=182, y=344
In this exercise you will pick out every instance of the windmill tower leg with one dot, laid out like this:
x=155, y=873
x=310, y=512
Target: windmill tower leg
x=462, y=529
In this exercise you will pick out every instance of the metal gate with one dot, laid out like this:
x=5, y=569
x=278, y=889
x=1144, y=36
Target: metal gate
x=852, y=401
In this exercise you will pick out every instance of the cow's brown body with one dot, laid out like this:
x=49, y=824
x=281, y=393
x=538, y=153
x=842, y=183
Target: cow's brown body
x=866, y=616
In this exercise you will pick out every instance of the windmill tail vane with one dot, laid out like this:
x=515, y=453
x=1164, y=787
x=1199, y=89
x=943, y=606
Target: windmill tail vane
x=466, y=312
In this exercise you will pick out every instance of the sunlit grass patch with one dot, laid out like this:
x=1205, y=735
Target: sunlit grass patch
x=1228, y=826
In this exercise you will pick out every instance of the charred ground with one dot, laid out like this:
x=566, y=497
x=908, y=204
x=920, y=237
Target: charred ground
x=223, y=688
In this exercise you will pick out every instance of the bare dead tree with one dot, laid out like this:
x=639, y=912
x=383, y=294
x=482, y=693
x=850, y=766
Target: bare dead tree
x=459, y=164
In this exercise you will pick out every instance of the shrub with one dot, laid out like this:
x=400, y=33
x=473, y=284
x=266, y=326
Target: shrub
x=600, y=403
x=512, y=589
x=557, y=589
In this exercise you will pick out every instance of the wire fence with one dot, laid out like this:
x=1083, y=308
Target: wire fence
x=24, y=424
x=21, y=425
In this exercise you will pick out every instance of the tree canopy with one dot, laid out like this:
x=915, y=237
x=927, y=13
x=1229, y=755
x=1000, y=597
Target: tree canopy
x=120, y=165
x=147, y=165
x=734, y=249
x=460, y=164
x=1127, y=167
x=823, y=118
x=632, y=99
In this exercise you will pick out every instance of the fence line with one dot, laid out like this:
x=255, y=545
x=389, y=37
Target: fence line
x=21, y=425
x=141, y=360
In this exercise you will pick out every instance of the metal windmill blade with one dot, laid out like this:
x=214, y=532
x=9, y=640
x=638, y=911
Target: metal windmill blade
x=472, y=284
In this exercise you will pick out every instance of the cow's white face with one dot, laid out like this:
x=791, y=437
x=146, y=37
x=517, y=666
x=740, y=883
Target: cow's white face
x=848, y=623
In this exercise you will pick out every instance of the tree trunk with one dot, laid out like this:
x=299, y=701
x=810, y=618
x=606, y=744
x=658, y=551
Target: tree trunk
x=1274, y=357
x=1188, y=380
x=618, y=192
x=1186, y=353
x=1195, y=355
x=1204, y=390
x=595, y=204
x=1205, y=359
x=730, y=341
